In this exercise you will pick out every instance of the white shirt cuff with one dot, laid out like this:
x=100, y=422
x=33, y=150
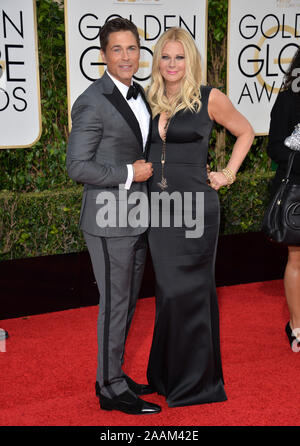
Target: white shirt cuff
x=129, y=177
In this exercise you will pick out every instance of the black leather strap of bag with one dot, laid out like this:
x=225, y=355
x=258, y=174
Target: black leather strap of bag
x=289, y=167
x=272, y=217
x=278, y=197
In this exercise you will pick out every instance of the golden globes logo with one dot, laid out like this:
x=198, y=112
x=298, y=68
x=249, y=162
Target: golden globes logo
x=270, y=57
x=279, y=61
x=90, y=62
x=12, y=80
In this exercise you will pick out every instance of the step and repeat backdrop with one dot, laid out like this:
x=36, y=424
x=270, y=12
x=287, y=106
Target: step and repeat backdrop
x=152, y=17
x=262, y=39
x=20, y=109
x=263, y=36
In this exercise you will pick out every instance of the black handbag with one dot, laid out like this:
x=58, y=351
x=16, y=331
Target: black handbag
x=281, y=222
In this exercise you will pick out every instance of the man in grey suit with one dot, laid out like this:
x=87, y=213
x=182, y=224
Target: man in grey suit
x=111, y=124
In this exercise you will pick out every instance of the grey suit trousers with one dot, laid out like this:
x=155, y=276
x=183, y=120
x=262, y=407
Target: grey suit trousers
x=118, y=265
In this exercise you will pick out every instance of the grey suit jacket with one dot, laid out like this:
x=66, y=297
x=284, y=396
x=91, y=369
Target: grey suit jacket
x=105, y=137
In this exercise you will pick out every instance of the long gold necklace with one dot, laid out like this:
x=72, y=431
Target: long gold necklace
x=163, y=182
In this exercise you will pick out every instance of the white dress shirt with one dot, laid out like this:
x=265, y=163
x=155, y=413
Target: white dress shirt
x=142, y=115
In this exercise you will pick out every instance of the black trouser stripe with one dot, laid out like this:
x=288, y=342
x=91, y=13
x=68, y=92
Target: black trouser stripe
x=107, y=319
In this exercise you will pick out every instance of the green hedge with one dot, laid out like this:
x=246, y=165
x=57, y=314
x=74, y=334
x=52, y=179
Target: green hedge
x=39, y=223
x=46, y=223
x=244, y=203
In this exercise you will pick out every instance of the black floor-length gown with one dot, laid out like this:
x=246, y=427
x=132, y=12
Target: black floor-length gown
x=184, y=363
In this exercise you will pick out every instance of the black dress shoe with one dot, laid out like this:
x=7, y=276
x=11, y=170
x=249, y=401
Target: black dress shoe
x=294, y=343
x=138, y=389
x=128, y=403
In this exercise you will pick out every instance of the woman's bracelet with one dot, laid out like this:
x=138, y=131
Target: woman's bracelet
x=230, y=176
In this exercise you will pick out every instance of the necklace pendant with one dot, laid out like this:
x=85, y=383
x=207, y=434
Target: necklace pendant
x=163, y=184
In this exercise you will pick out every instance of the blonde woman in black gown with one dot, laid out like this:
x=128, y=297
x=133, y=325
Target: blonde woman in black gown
x=184, y=363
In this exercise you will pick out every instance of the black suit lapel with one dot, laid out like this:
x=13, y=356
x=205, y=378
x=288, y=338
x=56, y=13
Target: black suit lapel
x=150, y=122
x=118, y=101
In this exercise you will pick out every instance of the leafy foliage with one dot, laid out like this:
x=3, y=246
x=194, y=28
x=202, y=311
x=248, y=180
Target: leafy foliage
x=40, y=223
x=43, y=165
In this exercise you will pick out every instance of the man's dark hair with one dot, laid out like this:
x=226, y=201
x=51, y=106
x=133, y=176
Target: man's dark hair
x=115, y=25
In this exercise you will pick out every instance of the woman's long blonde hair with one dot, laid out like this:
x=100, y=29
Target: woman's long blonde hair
x=189, y=94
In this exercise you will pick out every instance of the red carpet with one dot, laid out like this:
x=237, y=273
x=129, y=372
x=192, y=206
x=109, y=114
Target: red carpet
x=47, y=373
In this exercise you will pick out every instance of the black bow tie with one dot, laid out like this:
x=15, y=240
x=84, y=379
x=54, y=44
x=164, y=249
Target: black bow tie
x=133, y=91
